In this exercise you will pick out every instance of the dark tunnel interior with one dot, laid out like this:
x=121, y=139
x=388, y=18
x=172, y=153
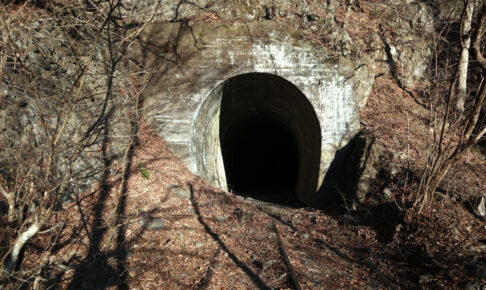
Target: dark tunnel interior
x=270, y=139
x=261, y=158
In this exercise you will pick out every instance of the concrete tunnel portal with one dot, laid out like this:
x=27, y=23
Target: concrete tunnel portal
x=253, y=107
x=259, y=137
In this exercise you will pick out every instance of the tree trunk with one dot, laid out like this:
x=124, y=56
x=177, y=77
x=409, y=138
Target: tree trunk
x=19, y=243
x=461, y=90
x=9, y=196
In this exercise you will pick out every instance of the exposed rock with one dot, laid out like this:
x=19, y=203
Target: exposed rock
x=37, y=90
x=243, y=216
x=152, y=223
x=268, y=264
x=394, y=170
x=387, y=193
x=408, y=63
x=199, y=244
x=480, y=206
x=180, y=191
x=450, y=10
x=220, y=219
x=360, y=167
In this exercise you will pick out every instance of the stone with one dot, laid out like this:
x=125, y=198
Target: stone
x=399, y=155
x=243, y=216
x=480, y=207
x=180, y=191
x=387, y=193
x=456, y=234
x=199, y=244
x=361, y=167
x=343, y=237
x=152, y=223
x=268, y=264
x=220, y=218
x=295, y=221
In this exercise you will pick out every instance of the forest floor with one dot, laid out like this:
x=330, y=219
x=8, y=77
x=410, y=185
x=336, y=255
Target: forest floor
x=174, y=231
x=171, y=230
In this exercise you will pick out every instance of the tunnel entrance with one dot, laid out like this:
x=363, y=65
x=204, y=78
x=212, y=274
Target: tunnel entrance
x=261, y=158
x=270, y=139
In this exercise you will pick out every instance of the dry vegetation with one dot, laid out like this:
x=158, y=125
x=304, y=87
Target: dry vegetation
x=116, y=221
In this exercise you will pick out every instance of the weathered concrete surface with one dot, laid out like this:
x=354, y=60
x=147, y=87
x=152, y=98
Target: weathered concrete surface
x=342, y=28
x=193, y=60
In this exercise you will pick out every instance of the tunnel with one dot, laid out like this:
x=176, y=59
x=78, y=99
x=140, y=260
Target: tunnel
x=260, y=83
x=270, y=139
x=260, y=156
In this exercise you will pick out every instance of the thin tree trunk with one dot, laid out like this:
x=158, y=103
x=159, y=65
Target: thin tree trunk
x=19, y=244
x=9, y=196
x=464, y=58
x=445, y=158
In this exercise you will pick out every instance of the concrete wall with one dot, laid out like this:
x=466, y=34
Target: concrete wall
x=191, y=61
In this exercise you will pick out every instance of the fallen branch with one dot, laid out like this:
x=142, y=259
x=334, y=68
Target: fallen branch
x=293, y=274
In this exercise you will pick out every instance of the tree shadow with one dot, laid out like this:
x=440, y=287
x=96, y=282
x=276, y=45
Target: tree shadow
x=337, y=250
x=105, y=274
x=108, y=273
x=252, y=275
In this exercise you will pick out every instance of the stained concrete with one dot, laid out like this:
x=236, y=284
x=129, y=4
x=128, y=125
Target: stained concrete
x=193, y=63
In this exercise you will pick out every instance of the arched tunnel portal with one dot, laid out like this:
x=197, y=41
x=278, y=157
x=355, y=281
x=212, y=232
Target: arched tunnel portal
x=259, y=136
x=251, y=106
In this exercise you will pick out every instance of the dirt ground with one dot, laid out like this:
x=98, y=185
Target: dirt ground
x=174, y=231
x=171, y=230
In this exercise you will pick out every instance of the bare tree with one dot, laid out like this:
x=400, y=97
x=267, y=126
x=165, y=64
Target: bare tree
x=466, y=20
x=63, y=73
x=452, y=143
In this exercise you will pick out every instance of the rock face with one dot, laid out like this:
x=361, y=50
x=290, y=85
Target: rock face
x=360, y=167
x=264, y=69
x=40, y=90
x=305, y=67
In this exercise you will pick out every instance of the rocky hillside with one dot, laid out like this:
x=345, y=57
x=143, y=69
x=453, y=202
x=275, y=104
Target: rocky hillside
x=80, y=165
